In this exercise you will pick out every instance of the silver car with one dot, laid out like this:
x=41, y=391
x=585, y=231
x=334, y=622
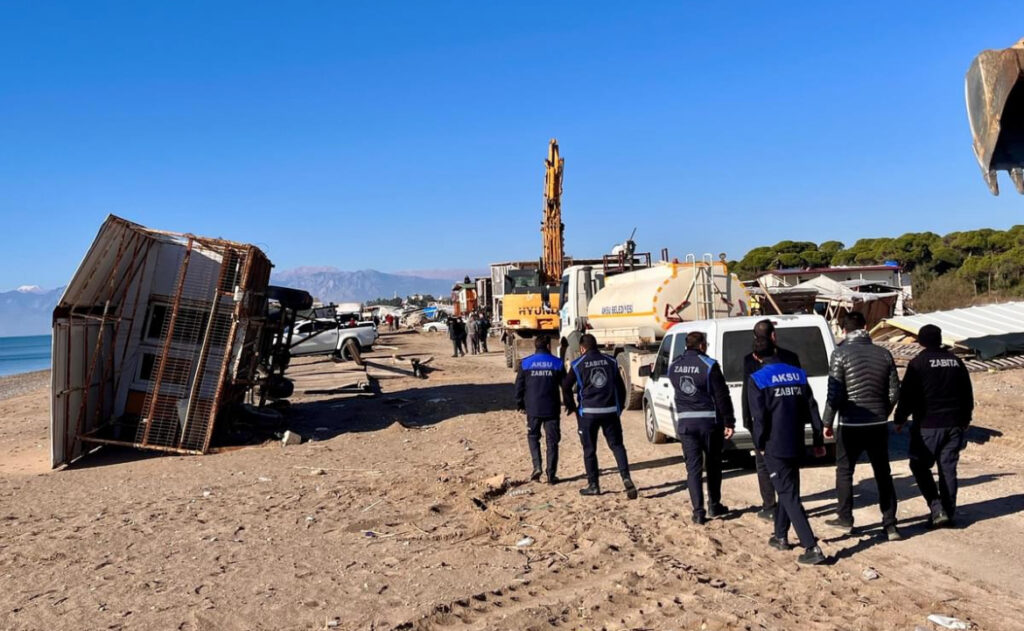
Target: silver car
x=326, y=336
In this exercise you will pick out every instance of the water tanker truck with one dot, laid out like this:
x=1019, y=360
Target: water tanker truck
x=629, y=308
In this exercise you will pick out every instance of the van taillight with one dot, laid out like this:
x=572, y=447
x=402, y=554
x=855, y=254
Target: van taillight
x=513, y=322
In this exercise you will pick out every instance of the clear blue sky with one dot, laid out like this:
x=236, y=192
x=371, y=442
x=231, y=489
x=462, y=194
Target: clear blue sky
x=411, y=135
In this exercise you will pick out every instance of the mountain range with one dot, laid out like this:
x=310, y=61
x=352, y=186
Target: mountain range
x=28, y=310
x=328, y=284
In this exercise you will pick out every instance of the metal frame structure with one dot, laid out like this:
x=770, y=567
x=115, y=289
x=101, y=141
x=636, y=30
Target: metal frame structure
x=169, y=318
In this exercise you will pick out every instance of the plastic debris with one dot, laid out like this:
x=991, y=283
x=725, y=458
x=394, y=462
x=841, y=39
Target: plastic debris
x=527, y=541
x=290, y=438
x=947, y=622
x=869, y=574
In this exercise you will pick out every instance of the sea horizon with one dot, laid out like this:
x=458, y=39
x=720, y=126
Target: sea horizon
x=24, y=353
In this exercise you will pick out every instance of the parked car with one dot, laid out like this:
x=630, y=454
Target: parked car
x=435, y=327
x=729, y=341
x=327, y=336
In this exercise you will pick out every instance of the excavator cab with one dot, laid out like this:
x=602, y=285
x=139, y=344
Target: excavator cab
x=995, y=109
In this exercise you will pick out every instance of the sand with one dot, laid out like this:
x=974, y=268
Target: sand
x=383, y=521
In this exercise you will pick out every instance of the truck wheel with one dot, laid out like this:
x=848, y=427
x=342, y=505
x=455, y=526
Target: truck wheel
x=351, y=351
x=651, y=427
x=634, y=398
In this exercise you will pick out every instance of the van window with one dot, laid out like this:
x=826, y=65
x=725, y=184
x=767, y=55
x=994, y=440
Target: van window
x=805, y=341
x=661, y=363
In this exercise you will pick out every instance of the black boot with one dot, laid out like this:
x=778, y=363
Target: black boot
x=537, y=473
x=779, y=544
x=591, y=489
x=552, y=479
x=812, y=556
x=631, y=491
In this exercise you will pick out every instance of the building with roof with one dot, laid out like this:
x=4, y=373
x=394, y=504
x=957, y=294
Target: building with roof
x=890, y=274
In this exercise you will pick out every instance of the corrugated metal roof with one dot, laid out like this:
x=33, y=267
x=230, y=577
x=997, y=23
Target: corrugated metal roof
x=962, y=324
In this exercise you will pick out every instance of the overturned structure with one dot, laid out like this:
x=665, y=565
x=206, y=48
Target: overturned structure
x=156, y=334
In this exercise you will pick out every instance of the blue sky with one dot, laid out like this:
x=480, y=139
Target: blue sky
x=402, y=136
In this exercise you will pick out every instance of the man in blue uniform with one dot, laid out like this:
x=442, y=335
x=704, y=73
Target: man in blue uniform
x=704, y=421
x=763, y=330
x=781, y=405
x=537, y=382
x=601, y=392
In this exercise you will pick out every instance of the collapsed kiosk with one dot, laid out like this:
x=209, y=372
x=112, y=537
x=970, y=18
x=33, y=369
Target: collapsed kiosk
x=155, y=336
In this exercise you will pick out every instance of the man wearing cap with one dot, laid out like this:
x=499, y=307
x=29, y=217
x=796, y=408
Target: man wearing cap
x=937, y=393
x=764, y=338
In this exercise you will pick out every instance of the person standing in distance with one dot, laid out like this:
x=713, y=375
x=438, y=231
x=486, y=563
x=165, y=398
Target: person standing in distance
x=601, y=392
x=863, y=388
x=781, y=405
x=704, y=421
x=537, y=394
x=937, y=392
x=763, y=331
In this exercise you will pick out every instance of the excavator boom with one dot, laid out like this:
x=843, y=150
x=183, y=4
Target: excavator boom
x=995, y=109
x=552, y=228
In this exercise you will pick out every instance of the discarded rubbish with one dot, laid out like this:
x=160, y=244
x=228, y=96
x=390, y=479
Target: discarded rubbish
x=290, y=438
x=317, y=472
x=207, y=493
x=869, y=574
x=333, y=623
x=947, y=622
x=518, y=492
x=497, y=482
x=527, y=541
x=263, y=478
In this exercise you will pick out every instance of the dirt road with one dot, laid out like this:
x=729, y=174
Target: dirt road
x=383, y=522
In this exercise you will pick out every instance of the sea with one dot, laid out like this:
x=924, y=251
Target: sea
x=24, y=354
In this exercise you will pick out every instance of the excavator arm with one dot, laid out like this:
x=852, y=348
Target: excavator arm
x=552, y=229
x=995, y=109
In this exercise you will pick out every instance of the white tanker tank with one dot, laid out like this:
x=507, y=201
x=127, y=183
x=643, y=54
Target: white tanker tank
x=630, y=312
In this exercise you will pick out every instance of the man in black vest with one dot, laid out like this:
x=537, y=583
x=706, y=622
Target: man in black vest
x=601, y=393
x=781, y=405
x=763, y=331
x=937, y=391
x=537, y=393
x=704, y=421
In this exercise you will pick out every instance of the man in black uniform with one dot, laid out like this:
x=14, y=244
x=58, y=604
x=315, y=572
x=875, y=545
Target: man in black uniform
x=537, y=382
x=453, y=335
x=601, y=392
x=704, y=421
x=781, y=404
x=937, y=391
x=763, y=331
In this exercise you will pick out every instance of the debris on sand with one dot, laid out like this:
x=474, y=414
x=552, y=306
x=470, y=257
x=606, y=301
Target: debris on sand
x=525, y=542
x=290, y=438
x=496, y=483
x=869, y=574
x=947, y=622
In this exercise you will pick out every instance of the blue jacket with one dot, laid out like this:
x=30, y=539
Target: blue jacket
x=702, y=396
x=599, y=387
x=537, y=383
x=781, y=404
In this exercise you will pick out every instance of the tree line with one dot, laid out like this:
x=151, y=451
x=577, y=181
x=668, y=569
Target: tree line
x=949, y=271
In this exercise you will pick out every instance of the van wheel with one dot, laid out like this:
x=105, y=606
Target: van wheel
x=651, y=427
x=634, y=398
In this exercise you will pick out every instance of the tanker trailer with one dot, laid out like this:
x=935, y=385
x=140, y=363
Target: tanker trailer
x=629, y=312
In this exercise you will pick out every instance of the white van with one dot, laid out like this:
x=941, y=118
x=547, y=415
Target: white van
x=729, y=340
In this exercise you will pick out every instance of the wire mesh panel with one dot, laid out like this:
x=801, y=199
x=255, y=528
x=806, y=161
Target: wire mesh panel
x=196, y=335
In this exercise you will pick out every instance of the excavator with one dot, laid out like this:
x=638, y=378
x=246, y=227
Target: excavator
x=530, y=305
x=995, y=109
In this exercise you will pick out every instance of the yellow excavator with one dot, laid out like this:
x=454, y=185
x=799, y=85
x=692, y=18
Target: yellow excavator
x=995, y=109
x=530, y=304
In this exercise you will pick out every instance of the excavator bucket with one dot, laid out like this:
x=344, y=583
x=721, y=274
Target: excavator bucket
x=995, y=108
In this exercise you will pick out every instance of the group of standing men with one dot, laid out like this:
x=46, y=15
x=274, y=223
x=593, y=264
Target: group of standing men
x=474, y=331
x=777, y=406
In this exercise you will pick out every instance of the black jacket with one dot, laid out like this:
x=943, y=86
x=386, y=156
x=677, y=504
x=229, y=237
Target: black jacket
x=537, y=385
x=863, y=385
x=752, y=364
x=598, y=384
x=701, y=393
x=937, y=391
x=781, y=406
